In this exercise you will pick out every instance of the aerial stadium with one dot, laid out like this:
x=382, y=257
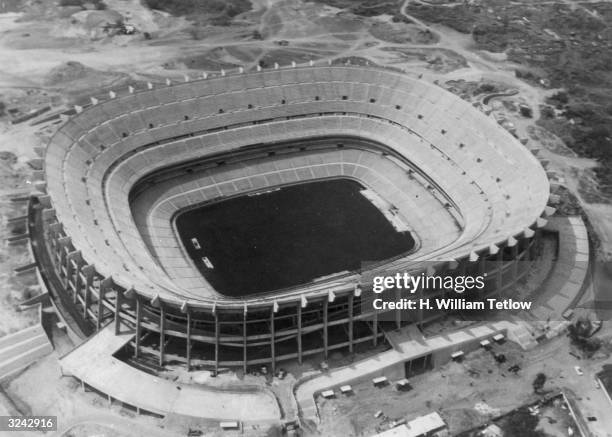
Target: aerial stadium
x=148, y=220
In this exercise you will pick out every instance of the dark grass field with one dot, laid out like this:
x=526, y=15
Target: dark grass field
x=217, y=12
x=288, y=237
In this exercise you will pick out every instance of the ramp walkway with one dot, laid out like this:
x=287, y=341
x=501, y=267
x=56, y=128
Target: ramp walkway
x=93, y=363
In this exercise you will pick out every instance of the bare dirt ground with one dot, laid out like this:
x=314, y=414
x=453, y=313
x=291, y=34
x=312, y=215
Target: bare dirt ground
x=57, y=56
x=14, y=289
x=455, y=390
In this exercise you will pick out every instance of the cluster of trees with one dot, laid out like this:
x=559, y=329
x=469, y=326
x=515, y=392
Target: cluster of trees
x=580, y=334
x=219, y=12
x=522, y=423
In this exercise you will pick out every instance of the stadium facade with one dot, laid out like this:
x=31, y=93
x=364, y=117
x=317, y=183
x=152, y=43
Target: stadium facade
x=118, y=172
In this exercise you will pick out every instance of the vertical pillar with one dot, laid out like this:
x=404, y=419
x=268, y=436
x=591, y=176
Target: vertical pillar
x=138, y=328
x=217, y=333
x=63, y=242
x=325, y=328
x=63, y=252
x=534, y=244
x=58, y=257
x=118, y=303
x=299, y=331
x=72, y=266
x=188, y=344
x=105, y=285
x=78, y=280
x=375, y=327
x=515, y=251
x=350, y=322
x=162, y=333
x=500, y=264
x=244, y=342
x=482, y=260
x=272, y=341
x=54, y=231
x=89, y=275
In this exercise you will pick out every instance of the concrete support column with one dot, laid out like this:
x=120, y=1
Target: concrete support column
x=138, y=328
x=515, y=251
x=63, y=257
x=55, y=230
x=325, y=328
x=272, y=341
x=105, y=285
x=244, y=342
x=482, y=261
x=188, y=341
x=72, y=266
x=217, y=333
x=57, y=253
x=299, y=331
x=48, y=215
x=375, y=327
x=535, y=244
x=63, y=243
x=78, y=280
x=351, y=321
x=162, y=332
x=118, y=302
x=88, y=272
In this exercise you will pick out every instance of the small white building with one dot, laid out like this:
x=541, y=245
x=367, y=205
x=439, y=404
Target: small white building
x=492, y=431
x=424, y=426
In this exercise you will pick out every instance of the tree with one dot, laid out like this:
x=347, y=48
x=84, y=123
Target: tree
x=523, y=424
x=560, y=97
x=538, y=382
x=547, y=112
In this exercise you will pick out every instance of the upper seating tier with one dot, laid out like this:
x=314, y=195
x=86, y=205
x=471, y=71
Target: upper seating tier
x=470, y=170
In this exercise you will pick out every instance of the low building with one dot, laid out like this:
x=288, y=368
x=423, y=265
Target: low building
x=424, y=426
